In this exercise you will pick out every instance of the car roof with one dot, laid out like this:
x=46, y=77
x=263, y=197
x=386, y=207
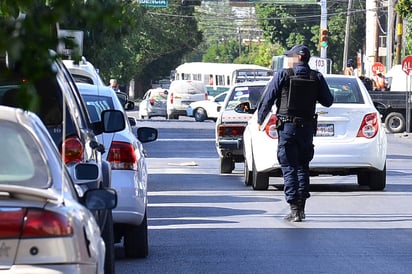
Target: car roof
x=84, y=68
x=95, y=90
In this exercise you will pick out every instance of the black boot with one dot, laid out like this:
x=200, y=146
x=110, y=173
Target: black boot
x=295, y=213
x=302, y=208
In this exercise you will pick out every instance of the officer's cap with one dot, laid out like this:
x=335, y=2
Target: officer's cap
x=301, y=50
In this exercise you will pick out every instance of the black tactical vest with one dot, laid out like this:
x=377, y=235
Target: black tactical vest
x=299, y=94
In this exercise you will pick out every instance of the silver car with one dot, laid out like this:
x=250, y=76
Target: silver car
x=153, y=103
x=44, y=226
x=124, y=152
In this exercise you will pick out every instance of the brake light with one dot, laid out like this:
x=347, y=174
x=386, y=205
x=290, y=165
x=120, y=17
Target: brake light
x=33, y=223
x=73, y=150
x=271, y=128
x=11, y=221
x=206, y=96
x=152, y=101
x=369, y=127
x=40, y=223
x=122, y=156
x=171, y=98
x=230, y=130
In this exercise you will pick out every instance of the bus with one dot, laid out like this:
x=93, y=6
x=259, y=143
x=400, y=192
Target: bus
x=218, y=77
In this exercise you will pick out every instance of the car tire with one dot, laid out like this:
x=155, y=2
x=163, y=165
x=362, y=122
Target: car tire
x=136, y=243
x=226, y=165
x=395, y=122
x=108, y=237
x=376, y=180
x=172, y=116
x=260, y=180
x=200, y=115
x=247, y=174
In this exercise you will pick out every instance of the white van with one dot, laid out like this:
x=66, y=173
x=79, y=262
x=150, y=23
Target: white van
x=181, y=94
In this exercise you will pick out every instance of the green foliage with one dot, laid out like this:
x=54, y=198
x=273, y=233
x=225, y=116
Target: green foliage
x=288, y=25
x=121, y=38
x=404, y=9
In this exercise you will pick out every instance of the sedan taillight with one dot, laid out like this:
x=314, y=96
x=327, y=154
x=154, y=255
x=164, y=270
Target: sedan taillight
x=369, y=127
x=122, y=156
x=271, y=128
x=33, y=223
x=230, y=130
x=73, y=150
x=171, y=98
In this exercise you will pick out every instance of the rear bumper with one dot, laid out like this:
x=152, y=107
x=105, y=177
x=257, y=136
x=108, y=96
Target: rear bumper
x=330, y=158
x=132, y=197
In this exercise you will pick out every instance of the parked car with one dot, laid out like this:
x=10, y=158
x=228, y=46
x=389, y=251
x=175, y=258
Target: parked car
x=53, y=95
x=350, y=139
x=230, y=124
x=126, y=156
x=153, y=103
x=181, y=94
x=45, y=226
x=85, y=72
x=206, y=109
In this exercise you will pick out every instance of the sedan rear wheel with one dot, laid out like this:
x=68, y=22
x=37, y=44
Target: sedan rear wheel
x=226, y=165
x=136, y=240
x=247, y=174
x=376, y=180
x=200, y=115
x=260, y=180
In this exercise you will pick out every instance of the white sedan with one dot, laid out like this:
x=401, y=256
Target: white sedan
x=206, y=109
x=45, y=226
x=350, y=139
x=125, y=153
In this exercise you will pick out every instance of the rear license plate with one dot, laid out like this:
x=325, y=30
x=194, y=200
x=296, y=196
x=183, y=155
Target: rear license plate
x=325, y=130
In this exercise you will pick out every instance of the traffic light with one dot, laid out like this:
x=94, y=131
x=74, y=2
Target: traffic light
x=324, y=36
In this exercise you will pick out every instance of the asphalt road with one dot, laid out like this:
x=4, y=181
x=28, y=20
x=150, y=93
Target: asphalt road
x=204, y=222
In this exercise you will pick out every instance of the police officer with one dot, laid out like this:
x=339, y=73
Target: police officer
x=295, y=91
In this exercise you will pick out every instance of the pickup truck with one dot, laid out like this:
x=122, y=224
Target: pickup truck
x=231, y=123
x=393, y=107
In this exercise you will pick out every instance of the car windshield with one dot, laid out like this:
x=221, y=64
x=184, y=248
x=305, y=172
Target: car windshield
x=21, y=161
x=96, y=104
x=345, y=90
x=239, y=95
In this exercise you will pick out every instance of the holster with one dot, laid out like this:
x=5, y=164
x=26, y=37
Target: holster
x=315, y=124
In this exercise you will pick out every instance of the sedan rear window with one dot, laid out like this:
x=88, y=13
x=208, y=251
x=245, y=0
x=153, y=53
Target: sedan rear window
x=21, y=161
x=345, y=90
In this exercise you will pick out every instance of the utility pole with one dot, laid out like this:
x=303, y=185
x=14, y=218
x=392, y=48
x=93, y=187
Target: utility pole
x=347, y=35
x=399, y=32
x=390, y=34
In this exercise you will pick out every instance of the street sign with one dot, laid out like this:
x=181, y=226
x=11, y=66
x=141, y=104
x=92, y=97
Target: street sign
x=378, y=67
x=154, y=3
x=407, y=65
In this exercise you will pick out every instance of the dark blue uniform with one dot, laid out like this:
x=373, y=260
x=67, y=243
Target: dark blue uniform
x=295, y=144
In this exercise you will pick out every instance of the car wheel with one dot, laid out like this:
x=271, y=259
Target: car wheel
x=247, y=174
x=200, y=115
x=363, y=178
x=172, y=116
x=395, y=122
x=260, y=180
x=226, y=165
x=378, y=179
x=108, y=237
x=136, y=240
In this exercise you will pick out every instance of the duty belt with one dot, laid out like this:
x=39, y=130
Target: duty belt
x=299, y=121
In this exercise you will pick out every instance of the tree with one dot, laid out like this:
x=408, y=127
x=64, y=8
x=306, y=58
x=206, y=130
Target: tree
x=404, y=9
x=299, y=24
